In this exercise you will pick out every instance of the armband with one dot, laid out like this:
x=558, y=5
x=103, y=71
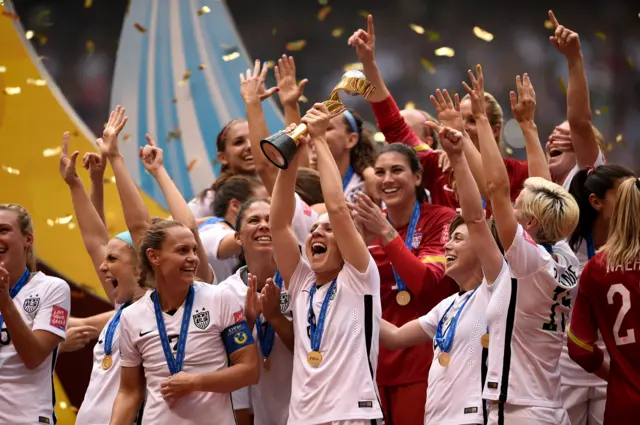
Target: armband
x=237, y=336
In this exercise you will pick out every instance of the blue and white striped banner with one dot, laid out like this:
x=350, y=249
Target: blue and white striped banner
x=148, y=81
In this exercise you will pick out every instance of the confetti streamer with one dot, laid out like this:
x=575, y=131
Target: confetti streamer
x=323, y=2
x=191, y=165
x=620, y=140
x=445, y=51
x=337, y=32
x=630, y=62
x=52, y=152
x=11, y=170
x=410, y=105
x=230, y=56
x=322, y=14
x=379, y=137
x=185, y=77
x=508, y=150
x=602, y=36
x=428, y=65
x=270, y=64
x=417, y=28
x=109, y=180
x=563, y=86
x=548, y=24
x=203, y=10
x=29, y=34
x=10, y=15
x=42, y=39
x=303, y=99
x=433, y=36
x=88, y=4
x=3, y=69
x=37, y=82
x=64, y=220
x=357, y=66
x=12, y=90
x=140, y=28
x=295, y=46
x=482, y=34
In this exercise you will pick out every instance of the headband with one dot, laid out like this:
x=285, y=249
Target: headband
x=126, y=237
x=352, y=122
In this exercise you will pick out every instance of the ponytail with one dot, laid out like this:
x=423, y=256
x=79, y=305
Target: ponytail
x=623, y=243
x=363, y=154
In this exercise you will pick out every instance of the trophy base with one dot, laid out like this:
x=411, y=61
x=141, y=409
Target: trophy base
x=279, y=149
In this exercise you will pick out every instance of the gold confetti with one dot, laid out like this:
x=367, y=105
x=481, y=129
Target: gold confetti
x=11, y=170
x=482, y=34
x=191, y=165
x=12, y=90
x=37, y=82
x=445, y=51
x=274, y=31
x=64, y=220
x=52, y=152
x=410, y=105
x=601, y=35
x=177, y=130
x=508, y=150
x=185, y=77
x=3, y=69
x=203, y=10
x=428, y=65
x=620, y=140
x=379, y=137
x=295, y=46
x=29, y=34
x=365, y=14
x=563, y=86
x=322, y=14
x=50, y=222
x=174, y=100
x=303, y=99
x=230, y=56
x=629, y=62
x=10, y=15
x=337, y=32
x=88, y=3
x=433, y=36
x=71, y=226
x=608, y=147
x=173, y=135
x=417, y=28
x=42, y=39
x=357, y=66
x=126, y=137
x=548, y=24
x=602, y=110
x=323, y=2
x=202, y=66
x=140, y=27
x=270, y=64
x=91, y=46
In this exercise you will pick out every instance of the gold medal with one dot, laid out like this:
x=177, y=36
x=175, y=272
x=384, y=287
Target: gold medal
x=314, y=358
x=444, y=359
x=403, y=298
x=485, y=340
x=266, y=363
x=107, y=361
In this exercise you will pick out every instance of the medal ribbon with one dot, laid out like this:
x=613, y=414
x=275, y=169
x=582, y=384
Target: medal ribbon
x=316, y=329
x=408, y=240
x=174, y=364
x=267, y=336
x=16, y=288
x=347, y=178
x=445, y=341
x=213, y=220
x=111, y=329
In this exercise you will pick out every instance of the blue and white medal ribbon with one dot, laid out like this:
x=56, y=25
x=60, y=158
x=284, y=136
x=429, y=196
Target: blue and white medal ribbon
x=266, y=333
x=316, y=328
x=444, y=342
x=403, y=297
x=107, y=360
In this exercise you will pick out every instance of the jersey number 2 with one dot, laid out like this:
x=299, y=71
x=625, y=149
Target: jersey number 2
x=630, y=337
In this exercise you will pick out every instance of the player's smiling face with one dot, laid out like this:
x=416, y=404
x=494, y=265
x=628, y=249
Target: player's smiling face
x=13, y=244
x=177, y=260
x=254, y=233
x=321, y=247
x=119, y=269
x=459, y=254
x=395, y=182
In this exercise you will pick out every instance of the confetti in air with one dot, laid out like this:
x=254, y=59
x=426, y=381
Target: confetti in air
x=337, y=32
x=379, y=137
x=602, y=36
x=29, y=34
x=10, y=15
x=274, y=31
x=303, y=99
x=322, y=14
x=191, y=165
x=295, y=46
x=230, y=53
x=202, y=66
x=91, y=47
x=203, y=10
x=88, y=3
x=548, y=24
x=11, y=170
x=410, y=105
x=185, y=77
x=562, y=85
x=140, y=28
x=52, y=152
x=428, y=65
x=270, y=64
x=433, y=36
x=323, y=2
x=36, y=82
x=445, y=51
x=602, y=110
x=482, y=34
x=12, y=90
x=3, y=69
x=508, y=150
x=365, y=14
x=417, y=28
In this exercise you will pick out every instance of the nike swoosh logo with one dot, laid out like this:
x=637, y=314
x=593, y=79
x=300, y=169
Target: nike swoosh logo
x=147, y=332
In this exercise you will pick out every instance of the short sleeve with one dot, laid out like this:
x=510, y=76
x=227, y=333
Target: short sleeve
x=53, y=314
x=303, y=219
x=505, y=273
x=202, y=207
x=301, y=278
x=367, y=283
x=429, y=322
x=129, y=354
x=566, y=265
x=525, y=256
x=211, y=238
x=235, y=331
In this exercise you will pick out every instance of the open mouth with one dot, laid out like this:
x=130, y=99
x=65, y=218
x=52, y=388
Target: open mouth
x=389, y=191
x=112, y=281
x=248, y=158
x=263, y=239
x=3, y=249
x=318, y=248
x=450, y=258
x=554, y=152
x=188, y=269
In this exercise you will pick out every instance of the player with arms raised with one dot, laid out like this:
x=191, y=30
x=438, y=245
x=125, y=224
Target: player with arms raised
x=609, y=301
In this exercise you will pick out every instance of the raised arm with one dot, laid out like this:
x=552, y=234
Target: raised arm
x=290, y=91
x=96, y=164
x=523, y=107
x=135, y=212
x=471, y=206
x=94, y=233
x=350, y=242
x=152, y=158
x=583, y=138
x=283, y=206
x=496, y=176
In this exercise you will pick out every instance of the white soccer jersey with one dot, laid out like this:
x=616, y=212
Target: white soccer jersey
x=211, y=236
x=214, y=310
x=600, y=160
x=454, y=394
x=203, y=207
x=303, y=219
x=270, y=398
x=343, y=386
x=355, y=186
x=26, y=396
x=527, y=317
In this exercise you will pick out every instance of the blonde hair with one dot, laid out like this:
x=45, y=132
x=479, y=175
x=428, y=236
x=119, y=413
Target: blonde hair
x=26, y=228
x=153, y=238
x=623, y=244
x=494, y=113
x=556, y=211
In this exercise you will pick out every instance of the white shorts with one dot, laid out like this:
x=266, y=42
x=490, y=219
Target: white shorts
x=584, y=404
x=241, y=399
x=508, y=414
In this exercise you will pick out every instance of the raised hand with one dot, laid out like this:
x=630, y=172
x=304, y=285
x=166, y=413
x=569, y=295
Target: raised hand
x=67, y=164
x=451, y=141
x=252, y=306
x=96, y=164
x=448, y=111
x=5, y=296
x=252, y=88
x=476, y=92
x=364, y=42
x=370, y=215
x=317, y=120
x=109, y=143
x=151, y=156
x=566, y=41
x=523, y=105
x=289, y=90
x=270, y=301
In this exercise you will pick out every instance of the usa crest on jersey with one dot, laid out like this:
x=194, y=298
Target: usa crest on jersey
x=415, y=242
x=201, y=319
x=31, y=304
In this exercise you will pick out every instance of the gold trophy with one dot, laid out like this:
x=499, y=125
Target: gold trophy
x=281, y=147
